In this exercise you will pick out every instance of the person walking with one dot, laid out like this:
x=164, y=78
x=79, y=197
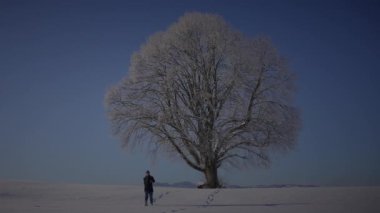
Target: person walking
x=148, y=187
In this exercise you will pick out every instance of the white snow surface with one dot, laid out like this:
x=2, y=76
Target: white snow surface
x=37, y=197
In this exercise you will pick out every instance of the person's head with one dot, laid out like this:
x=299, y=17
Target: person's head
x=147, y=172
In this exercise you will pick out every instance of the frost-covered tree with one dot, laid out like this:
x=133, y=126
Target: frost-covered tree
x=209, y=94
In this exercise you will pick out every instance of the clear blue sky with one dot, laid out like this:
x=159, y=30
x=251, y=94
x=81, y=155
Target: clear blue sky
x=57, y=59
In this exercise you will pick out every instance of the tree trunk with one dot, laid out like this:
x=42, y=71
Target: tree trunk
x=211, y=174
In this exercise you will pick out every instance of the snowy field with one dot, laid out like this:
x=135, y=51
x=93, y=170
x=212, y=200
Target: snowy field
x=33, y=197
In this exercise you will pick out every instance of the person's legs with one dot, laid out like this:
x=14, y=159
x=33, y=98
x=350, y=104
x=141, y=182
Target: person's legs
x=151, y=198
x=146, y=198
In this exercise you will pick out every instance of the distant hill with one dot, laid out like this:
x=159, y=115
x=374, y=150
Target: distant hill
x=283, y=186
x=188, y=184
x=183, y=184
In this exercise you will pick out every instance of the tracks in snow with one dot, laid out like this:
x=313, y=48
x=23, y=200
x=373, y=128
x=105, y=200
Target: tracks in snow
x=209, y=200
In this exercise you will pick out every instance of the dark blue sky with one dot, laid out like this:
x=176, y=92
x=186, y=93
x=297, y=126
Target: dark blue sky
x=57, y=59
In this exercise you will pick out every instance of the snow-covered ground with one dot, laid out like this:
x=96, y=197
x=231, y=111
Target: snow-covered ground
x=33, y=197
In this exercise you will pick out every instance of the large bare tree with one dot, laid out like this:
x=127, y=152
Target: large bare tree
x=208, y=93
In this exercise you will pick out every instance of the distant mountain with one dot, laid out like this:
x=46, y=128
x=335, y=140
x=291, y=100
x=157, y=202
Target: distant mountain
x=162, y=184
x=283, y=186
x=188, y=184
x=235, y=186
x=183, y=184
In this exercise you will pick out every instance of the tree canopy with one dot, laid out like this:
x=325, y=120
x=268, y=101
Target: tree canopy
x=207, y=92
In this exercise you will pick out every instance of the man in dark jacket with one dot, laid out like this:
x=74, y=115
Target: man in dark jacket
x=148, y=187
